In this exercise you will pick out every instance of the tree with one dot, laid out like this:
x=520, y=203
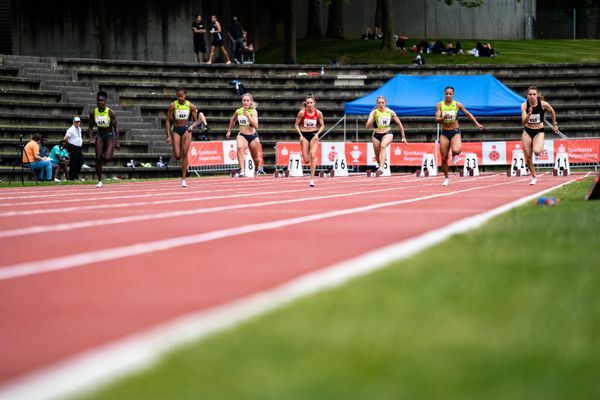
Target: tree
x=313, y=19
x=289, y=24
x=387, y=26
x=335, y=20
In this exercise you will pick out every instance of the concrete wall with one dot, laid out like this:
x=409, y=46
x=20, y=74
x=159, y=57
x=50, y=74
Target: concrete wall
x=495, y=19
x=160, y=30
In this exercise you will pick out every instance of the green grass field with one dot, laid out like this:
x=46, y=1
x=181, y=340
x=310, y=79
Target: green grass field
x=325, y=51
x=509, y=311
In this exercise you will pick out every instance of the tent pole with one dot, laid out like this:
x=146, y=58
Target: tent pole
x=356, y=128
x=344, y=128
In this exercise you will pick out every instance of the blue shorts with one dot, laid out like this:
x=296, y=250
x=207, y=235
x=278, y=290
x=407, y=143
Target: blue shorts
x=249, y=138
x=379, y=136
x=451, y=133
x=180, y=130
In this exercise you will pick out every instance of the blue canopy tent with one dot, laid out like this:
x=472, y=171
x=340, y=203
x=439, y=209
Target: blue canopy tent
x=410, y=95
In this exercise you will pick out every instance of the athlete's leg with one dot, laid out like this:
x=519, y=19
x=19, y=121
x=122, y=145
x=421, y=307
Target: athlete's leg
x=224, y=52
x=376, y=147
x=314, y=147
x=304, y=148
x=242, y=145
x=186, y=140
x=176, y=141
x=255, y=149
x=456, y=144
x=444, y=149
x=211, y=54
x=99, y=154
x=528, y=151
x=385, y=142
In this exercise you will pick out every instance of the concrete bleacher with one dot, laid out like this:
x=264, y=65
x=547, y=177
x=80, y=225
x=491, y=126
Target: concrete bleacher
x=43, y=94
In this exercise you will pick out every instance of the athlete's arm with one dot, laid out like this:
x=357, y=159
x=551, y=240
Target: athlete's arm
x=297, y=123
x=321, y=123
x=397, y=120
x=231, y=124
x=115, y=126
x=469, y=115
x=370, y=120
x=548, y=107
x=168, y=122
x=438, y=113
x=91, y=128
x=252, y=119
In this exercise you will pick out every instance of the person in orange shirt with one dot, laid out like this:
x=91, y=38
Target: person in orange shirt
x=32, y=159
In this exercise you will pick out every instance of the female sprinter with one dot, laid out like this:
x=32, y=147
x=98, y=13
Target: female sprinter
x=532, y=116
x=107, y=139
x=247, y=119
x=380, y=120
x=306, y=126
x=447, y=113
x=180, y=111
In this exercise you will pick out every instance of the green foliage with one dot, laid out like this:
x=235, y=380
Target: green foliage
x=325, y=51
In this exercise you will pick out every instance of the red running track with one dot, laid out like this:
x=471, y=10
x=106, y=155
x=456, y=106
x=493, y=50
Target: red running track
x=82, y=267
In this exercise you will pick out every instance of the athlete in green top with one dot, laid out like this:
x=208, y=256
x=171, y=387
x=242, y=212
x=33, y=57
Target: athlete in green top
x=380, y=119
x=179, y=113
x=447, y=113
x=107, y=139
x=247, y=139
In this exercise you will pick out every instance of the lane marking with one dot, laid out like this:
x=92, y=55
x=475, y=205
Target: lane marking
x=80, y=259
x=37, y=229
x=102, y=365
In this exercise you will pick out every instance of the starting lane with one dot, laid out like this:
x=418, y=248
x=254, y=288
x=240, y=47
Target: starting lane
x=57, y=307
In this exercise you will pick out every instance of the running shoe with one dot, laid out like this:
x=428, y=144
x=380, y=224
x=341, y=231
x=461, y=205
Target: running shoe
x=99, y=184
x=57, y=180
x=183, y=183
x=312, y=183
x=446, y=182
x=533, y=181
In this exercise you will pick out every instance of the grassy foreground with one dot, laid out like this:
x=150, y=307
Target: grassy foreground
x=325, y=51
x=508, y=311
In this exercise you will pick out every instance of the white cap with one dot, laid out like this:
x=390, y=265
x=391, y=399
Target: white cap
x=76, y=119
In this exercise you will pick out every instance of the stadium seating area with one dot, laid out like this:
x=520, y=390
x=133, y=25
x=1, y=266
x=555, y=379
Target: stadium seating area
x=43, y=94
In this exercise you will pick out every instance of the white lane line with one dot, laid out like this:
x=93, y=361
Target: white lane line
x=102, y=365
x=81, y=259
x=85, y=197
x=38, y=229
x=253, y=193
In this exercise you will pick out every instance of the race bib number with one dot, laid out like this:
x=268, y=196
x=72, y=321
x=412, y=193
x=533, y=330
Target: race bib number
x=243, y=120
x=383, y=121
x=534, y=119
x=101, y=120
x=182, y=114
x=310, y=123
x=449, y=116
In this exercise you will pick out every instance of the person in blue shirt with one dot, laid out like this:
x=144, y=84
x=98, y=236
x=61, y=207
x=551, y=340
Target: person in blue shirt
x=59, y=157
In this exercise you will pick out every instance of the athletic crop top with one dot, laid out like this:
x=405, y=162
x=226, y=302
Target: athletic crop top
x=537, y=114
x=449, y=112
x=383, y=119
x=102, y=118
x=310, y=121
x=181, y=112
x=242, y=119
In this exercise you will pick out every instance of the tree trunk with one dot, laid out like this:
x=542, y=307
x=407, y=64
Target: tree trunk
x=335, y=20
x=100, y=23
x=290, y=33
x=388, y=26
x=379, y=14
x=313, y=19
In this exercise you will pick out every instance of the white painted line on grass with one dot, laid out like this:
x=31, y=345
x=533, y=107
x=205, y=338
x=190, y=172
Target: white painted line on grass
x=104, y=364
